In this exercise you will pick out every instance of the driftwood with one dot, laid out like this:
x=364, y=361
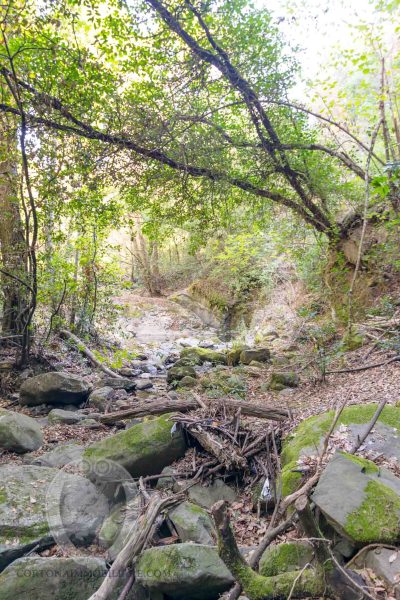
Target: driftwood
x=229, y=456
x=162, y=406
x=64, y=333
x=138, y=537
x=309, y=582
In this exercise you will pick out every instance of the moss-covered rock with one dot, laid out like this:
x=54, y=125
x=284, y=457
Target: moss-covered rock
x=188, y=382
x=221, y=383
x=184, y=571
x=192, y=523
x=233, y=355
x=204, y=355
x=306, y=439
x=18, y=432
x=100, y=398
x=175, y=374
x=290, y=556
x=143, y=449
x=37, y=502
x=116, y=528
x=360, y=500
x=262, y=355
x=280, y=381
x=56, y=387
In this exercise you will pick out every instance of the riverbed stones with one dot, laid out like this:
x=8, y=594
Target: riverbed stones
x=60, y=456
x=207, y=496
x=19, y=433
x=143, y=449
x=282, y=558
x=202, y=355
x=306, y=439
x=56, y=387
x=178, y=373
x=192, y=523
x=184, y=571
x=262, y=355
x=117, y=527
x=37, y=502
x=117, y=383
x=64, y=417
x=39, y=578
x=360, y=500
x=100, y=398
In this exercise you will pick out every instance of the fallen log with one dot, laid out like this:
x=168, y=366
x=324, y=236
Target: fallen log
x=162, y=406
x=64, y=333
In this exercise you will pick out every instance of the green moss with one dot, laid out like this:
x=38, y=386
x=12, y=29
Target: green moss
x=368, y=466
x=25, y=534
x=309, y=433
x=204, y=355
x=285, y=557
x=378, y=517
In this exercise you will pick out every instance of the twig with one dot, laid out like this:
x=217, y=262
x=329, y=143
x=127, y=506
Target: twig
x=361, y=439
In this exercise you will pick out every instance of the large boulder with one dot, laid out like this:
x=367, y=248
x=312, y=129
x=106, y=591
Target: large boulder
x=192, y=523
x=184, y=571
x=143, y=449
x=360, y=500
x=38, y=503
x=77, y=578
x=18, y=432
x=262, y=355
x=306, y=439
x=56, y=387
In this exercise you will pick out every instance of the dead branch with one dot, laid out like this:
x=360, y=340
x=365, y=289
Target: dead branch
x=159, y=407
x=225, y=453
x=356, y=369
x=310, y=583
x=139, y=535
x=64, y=333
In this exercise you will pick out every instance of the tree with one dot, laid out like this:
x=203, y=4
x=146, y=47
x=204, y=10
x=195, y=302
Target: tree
x=198, y=89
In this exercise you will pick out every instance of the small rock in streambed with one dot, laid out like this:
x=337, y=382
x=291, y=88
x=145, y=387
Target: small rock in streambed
x=207, y=496
x=66, y=417
x=143, y=385
x=100, y=397
x=262, y=355
x=122, y=383
x=126, y=372
x=19, y=433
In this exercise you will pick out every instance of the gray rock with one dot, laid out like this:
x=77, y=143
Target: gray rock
x=120, y=383
x=184, y=571
x=166, y=483
x=360, y=500
x=100, y=397
x=18, y=432
x=61, y=455
x=143, y=385
x=58, y=415
x=188, y=382
x=117, y=526
x=207, y=496
x=90, y=424
x=144, y=449
x=385, y=563
x=126, y=372
x=192, y=524
x=56, y=387
x=37, y=503
x=262, y=355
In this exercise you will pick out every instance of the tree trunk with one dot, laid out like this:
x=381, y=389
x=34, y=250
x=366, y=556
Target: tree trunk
x=12, y=244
